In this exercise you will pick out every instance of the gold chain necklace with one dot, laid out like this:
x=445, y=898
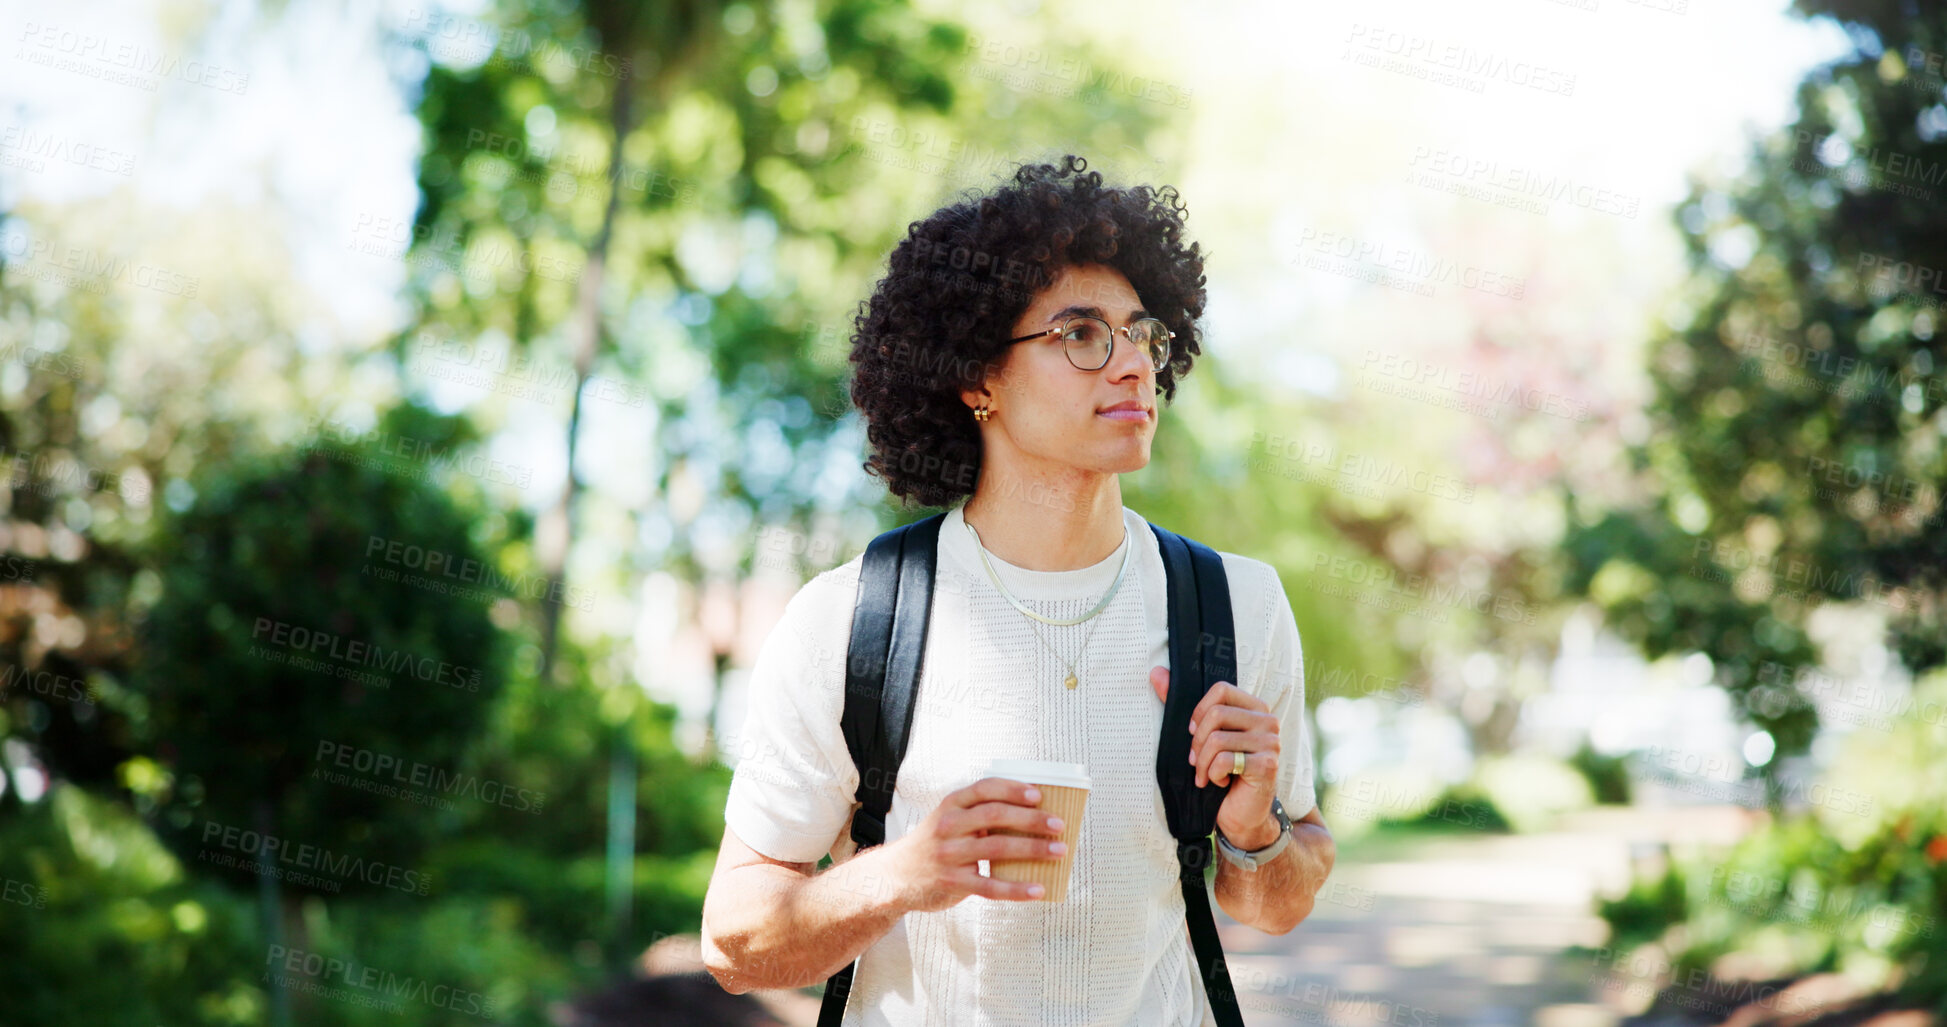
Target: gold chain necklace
x=1071, y=682
x=1009, y=596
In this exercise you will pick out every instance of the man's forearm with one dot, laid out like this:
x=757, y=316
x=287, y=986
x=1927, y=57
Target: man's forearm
x=1278, y=896
x=771, y=928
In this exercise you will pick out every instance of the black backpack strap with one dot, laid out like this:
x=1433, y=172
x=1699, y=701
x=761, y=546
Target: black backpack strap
x=881, y=676
x=1203, y=651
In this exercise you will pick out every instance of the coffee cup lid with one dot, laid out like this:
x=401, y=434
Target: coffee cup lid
x=1040, y=772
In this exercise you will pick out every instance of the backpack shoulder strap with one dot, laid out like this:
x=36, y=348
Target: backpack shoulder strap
x=1203, y=651
x=882, y=666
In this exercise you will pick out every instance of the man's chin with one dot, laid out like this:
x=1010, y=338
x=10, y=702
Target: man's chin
x=1130, y=462
x=1113, y=459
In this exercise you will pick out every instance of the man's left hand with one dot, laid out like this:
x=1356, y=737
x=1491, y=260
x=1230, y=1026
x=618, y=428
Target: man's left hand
x=1228, y=720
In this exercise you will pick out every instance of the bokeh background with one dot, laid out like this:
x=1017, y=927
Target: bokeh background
x=417, y=415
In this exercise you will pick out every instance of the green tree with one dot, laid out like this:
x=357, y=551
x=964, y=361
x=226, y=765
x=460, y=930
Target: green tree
x=280, y=632
x=1794, y=464
x=698, y=196
x=1794, y=456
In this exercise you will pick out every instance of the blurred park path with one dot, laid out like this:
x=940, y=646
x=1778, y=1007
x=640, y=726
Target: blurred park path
x=1436, y=929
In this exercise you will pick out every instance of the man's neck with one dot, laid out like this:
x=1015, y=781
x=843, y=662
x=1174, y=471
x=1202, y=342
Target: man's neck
x=1057, y=522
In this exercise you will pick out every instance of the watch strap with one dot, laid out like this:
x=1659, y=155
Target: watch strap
x=1253, y=860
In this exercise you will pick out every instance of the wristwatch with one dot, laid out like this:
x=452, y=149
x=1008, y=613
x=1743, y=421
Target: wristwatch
x=1252, y=860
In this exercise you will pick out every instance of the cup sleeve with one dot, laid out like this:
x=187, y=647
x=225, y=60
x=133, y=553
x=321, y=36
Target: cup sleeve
x=792, y=792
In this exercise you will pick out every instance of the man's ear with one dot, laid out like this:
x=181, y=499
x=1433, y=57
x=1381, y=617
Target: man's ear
x=992, y=384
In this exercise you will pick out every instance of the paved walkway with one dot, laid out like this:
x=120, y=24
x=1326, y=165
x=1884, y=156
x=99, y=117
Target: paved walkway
x=1462, y=929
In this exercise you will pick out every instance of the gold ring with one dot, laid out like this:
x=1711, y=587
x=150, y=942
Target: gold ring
x=1237, y=764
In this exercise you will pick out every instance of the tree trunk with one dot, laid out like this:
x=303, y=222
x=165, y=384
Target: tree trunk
x=557, y=528
x=270, y=905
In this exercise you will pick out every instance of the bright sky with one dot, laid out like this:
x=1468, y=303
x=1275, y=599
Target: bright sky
x=1308, y=118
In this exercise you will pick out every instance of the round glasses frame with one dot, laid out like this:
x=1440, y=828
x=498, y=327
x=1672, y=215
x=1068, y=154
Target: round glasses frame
x=1153, y=327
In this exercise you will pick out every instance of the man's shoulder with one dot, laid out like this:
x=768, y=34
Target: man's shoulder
x=815, y=624
x=1257, y=602
x=827, y=598
x=1253, y=583
x=1250, y=577
x=1257, y=598
x=1251, y=580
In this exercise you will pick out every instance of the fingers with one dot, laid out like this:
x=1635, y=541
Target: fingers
x=1214, y=761
x=995, y=789
x=992, y=815
x=1006, y=846
x=1221, y=694
x=1159, y=682
x=1232, y=721
x=993, y=829
x=1220, y=764
x=1005, y=891
x=994, y=818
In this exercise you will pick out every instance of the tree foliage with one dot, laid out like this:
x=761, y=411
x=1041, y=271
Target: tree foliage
x=1793, y=457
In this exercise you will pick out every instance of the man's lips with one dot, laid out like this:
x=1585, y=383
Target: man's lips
x=1125, y=412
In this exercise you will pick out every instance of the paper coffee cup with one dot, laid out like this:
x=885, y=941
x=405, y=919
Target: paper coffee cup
x=1064, y=793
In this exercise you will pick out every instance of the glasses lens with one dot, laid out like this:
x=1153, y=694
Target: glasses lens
x=1087, y=341
x=1153, y=338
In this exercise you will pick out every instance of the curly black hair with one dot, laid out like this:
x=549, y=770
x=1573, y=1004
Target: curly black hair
x=939, y=320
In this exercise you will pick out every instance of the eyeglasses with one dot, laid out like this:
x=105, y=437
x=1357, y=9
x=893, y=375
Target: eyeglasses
x=1088, y=341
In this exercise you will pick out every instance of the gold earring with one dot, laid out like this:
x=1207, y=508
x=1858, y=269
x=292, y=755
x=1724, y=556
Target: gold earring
x=981, y=413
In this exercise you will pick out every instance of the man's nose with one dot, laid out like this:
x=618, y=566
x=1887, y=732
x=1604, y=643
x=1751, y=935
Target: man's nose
x=1127, y=360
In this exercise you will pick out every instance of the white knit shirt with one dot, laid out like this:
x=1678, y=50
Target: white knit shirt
x=1116, y=953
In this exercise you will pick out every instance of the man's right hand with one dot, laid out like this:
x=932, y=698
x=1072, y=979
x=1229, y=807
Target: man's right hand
x=937, y=863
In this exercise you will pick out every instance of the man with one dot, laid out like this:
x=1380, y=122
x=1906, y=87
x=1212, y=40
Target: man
x=1012, y=358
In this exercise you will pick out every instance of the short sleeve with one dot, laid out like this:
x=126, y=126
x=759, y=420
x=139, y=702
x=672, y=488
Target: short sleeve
x=1277, y=672
x=792, y=791
x=1285, y=677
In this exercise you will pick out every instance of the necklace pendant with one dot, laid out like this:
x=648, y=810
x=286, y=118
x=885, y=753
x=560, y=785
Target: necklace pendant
x=1071, y=682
